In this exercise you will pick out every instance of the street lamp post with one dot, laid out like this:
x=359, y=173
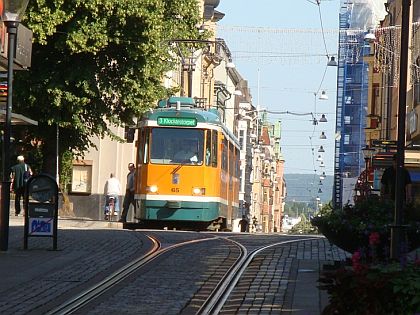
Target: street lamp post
x=367, y=154
x=12, y=14
x=396, y=229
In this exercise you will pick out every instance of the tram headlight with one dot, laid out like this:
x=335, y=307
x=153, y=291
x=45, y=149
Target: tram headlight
x=152, y=189
x=198, y=191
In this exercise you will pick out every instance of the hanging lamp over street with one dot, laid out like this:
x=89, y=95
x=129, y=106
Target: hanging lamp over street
x=323, y=96
x=332, y=62
x=323, y=118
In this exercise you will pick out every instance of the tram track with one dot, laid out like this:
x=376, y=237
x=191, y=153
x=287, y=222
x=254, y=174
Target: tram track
x=219, y=289
x=92, y=293
x=216, y=301
x=222, y=286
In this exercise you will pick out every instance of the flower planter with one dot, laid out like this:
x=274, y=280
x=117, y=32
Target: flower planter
x=342, y=238
x=413, y=239
x=351, y=240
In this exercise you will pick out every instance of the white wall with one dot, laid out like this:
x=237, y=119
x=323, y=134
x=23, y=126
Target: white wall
x=110, y=156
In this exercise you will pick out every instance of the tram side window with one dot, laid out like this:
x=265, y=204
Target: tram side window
x=214, y=148
x=140, y=146
x=208, y=147
x=225, y=155
x=231, y=160
x=237, y=163
x=146, y=147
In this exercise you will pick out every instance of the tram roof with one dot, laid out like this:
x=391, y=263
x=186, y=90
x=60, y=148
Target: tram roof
x=200, y=114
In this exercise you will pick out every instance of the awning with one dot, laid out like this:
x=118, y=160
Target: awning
x=415, y=176
x=17, y=119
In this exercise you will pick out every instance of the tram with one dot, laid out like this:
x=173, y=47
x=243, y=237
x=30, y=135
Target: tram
x=187, y=168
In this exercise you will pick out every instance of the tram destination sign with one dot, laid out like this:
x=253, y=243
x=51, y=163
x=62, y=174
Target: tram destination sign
x=177, y=121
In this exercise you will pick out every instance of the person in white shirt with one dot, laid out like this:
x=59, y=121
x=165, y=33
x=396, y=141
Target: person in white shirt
x=129, y=192
x=112, y=189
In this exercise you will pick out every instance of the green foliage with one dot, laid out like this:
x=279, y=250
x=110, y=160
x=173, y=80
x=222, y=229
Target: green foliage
x=303, y=227
x=389, y=289
x=34, y=159
x=369, y=215
x=406, y=285
x=368, y=287
x=293, y=209
x=351, y=227
x=96, y=63
x=66, y=167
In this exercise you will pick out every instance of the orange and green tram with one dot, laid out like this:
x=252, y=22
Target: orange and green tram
x=187, y=168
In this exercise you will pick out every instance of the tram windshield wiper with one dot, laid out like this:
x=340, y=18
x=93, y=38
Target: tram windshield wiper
x=176, y=169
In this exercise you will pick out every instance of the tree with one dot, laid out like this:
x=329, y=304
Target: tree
x=96, y=63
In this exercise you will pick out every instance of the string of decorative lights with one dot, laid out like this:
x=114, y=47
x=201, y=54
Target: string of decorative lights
x=293, y=55
x=321, y=149
x=382, y=57
x=300, y=41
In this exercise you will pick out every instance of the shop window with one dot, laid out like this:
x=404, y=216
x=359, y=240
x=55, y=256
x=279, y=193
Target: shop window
x=129, y=134
x=81, y=180
x=238, y=163
x=241, y=139
x=416, y=86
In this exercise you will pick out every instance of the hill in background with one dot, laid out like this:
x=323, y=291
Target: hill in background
x=304, y=188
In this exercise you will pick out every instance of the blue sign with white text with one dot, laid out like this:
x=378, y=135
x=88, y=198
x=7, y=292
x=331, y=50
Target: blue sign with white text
x=41, y=226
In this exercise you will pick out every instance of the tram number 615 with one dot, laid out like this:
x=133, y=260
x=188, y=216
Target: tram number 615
x=175, y=190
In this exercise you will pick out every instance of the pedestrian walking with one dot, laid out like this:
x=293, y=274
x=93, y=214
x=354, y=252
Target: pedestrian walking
x=243, y=223
x=21, y=172
x=129, y=192
x=388, y=182
x=112, y=189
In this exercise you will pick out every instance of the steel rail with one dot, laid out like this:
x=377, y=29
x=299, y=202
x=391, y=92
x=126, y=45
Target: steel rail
x=217, y=299
x=226, y=279
x=83, y=298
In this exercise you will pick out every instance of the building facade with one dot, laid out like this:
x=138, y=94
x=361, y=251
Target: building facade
x=384, y=89
x=210, y=77
x=86, y=192
x=356, y=18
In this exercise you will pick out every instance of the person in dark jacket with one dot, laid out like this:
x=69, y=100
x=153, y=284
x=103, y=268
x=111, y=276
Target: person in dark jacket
x=20, y=174
x=129, y=192
x=388, y=183
x=243, y=223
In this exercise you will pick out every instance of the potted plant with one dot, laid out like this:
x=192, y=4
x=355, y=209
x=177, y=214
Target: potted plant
x=353, y=227
x=365, y=289
x=370, y=283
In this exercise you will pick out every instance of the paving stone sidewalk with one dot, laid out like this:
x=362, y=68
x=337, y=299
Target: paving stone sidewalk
x=35, y=279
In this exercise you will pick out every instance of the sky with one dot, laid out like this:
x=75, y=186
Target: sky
x=279, y=48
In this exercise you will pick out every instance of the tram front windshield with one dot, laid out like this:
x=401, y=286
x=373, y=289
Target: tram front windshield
x=177, y=146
